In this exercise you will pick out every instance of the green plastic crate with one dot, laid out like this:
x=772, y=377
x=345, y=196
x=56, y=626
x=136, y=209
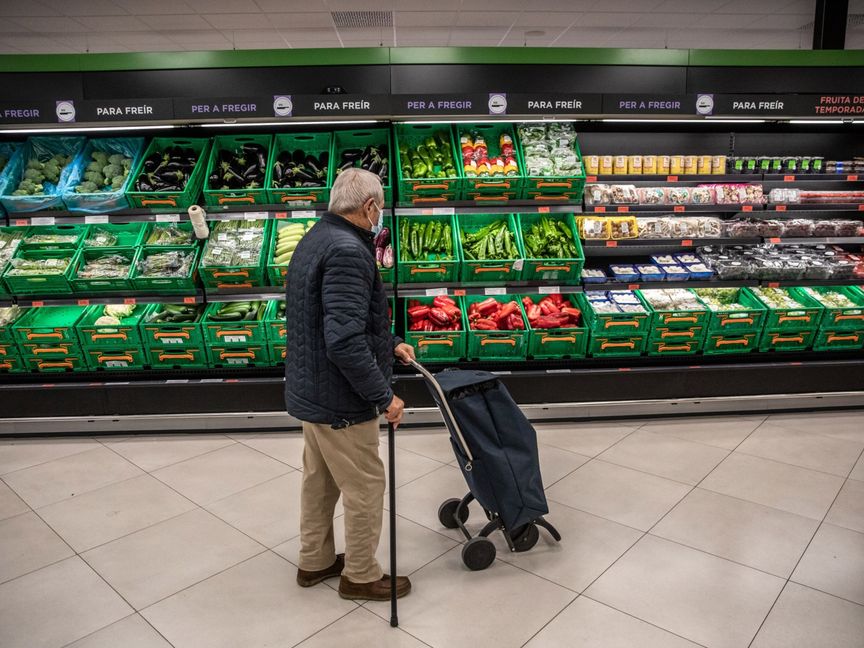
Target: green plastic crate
x=12, y=363
x=249, y=355
x=731, y=342
x=78, y=231
x=249, y=275
x=47, y=284
x=54, y=325
x=569, y=342
x=120, y=284
x=169, y=199
x=388, y=275
x=166, y=285
x=93, y=335
x=10, y=240
x=614, y=324
x=122, y=235
x=278, y=354
x=310, y=144
x=433, y=271
x=360, y=139
x=496, y=345
x=787, y=340
x=154, y=228
x=237, y=196
x=232, y=333
x=620, y=345
x=276, y=273
x=176, y=358
x=840, y=319
x=666, y=347
x=126, y=358
x=807, y=317
x=675, y=319
x=828, y=340
x=552, y=188
x=490, y=188
x=52, y=351
x=473, y=271
x=436, y=346
x=276, y=326
x=420, y=191
x=674, y=335
x=8, y=350
x=72, y=363
x=732, y=322
x=564, y=270
x=180, y=336
x=7, y=331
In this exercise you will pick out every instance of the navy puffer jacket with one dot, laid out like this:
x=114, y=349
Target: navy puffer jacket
x=339, y=358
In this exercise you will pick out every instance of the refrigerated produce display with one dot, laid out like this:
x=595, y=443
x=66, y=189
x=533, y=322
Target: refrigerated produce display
x=548, y=249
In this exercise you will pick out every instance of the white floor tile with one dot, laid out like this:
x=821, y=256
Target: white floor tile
x=160, y=560
x=751, y=534
x=255, y=604
x=847, y=425
x=28, y=544
x=429, y=442
x=286, y=447
x=419, y=500
x=361, y=628
x=720, y=431
x=16, y=454
x=778, y=485
x=626, y=496
x=555, y=464
x=69, y=476
x=56, y=606
x=805, y=618
x=10, y=503
x=848, y=509
x=589, y=439
x=131, y=632
x=105, y=514
x=409, y=465
x=589, y=624
x=834, y=563
x=452, y=606
x=697, y=596
x=858, y=470
x=153, y=452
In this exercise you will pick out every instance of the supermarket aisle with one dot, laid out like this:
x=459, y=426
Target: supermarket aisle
x=676, y=533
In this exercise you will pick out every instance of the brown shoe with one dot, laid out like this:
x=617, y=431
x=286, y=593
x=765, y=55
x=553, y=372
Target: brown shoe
x=375, y=591
x=310, y=578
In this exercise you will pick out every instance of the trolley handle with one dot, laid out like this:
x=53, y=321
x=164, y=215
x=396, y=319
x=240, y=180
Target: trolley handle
x=446, y=412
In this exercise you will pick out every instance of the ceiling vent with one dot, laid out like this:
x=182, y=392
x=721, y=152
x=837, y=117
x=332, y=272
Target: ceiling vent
x=361, y=19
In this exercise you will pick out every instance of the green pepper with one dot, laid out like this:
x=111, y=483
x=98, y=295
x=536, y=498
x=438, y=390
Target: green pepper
x=448, y=240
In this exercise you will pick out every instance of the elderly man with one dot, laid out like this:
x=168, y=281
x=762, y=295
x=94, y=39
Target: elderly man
x=338, y=370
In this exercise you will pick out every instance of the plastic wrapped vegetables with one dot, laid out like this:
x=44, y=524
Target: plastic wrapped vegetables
x=721, y=299
x=111, y=266
x=549, y=149
x=777, y=298
x=37, y=267
x=37, y=173
x=493, y=241
x=9, y=314
x=105, y=173
x=169, y=235
x=831, y=298
x=175, y=263
x=113, y=314
x=550, y=239
x=234, y=243
x=9, y=242
x=432, y=158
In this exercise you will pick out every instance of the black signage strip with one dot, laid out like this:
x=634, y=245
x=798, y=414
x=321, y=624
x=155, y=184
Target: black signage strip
x=125, y=110
x=640, y=104
x=555, y=103
x=792, y=105
x=28, y=112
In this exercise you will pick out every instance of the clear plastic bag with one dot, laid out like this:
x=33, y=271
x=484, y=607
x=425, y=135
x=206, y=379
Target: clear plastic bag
x=100, y=202
x=41, y=149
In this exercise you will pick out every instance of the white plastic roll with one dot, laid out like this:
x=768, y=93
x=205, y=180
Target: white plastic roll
x=199, y=221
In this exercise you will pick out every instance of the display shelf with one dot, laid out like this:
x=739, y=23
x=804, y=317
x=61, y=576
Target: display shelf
x=612, y=210
x=818, y=208
x=635, y=247
x=471, y=207
x=109, y=298
x=264, y=293
x=640, y=285
x=460, y=289
x=788, y=179
x=831, y=240
x=682, y=179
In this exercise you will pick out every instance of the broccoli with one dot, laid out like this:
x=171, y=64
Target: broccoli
x=95, y=166
x=112, y=170
x=52, y=176
x=117, y=158
x=35, y=164
x=100, y=156
x=93, y=176
x=127, y=164
x=117, y=182
x=87, y=187
x=19, y=192
x=33, y=174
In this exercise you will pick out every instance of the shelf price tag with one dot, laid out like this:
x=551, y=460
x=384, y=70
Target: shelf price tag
x=686, y=242
x=254, y=215
x=678, y=208
x=780, y=207
x=671, y=178
x=83, y=302
x=590, y=178
x=861, y=207
x=459, y=292
x=434, y=292
x=611, y=243
x=188, y=300
x=773, y=284
x=99, y=219
x=600, y=209
x=542, y=210
x=633, y=287
x=130, y=301
x=167, y=218
x=303, y=213
x=495, y=291
x=747, y=208
x=443, y=211
x=623, y=209
x=852, y=178
x=788, y=178
x=280, y=215
x=549, y=290
x=37, y=304
x=21, y=222
x=42, y=220
x=774, y=239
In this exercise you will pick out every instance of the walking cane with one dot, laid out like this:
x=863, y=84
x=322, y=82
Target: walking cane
x=391, y=446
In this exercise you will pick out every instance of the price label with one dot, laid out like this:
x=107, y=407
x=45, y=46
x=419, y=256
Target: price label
x=188, y=300
x=130, y=301
x=495, y=291
x=37, y=304
x=623, y=209
x=21, y=222
x=773, y=284
x=99, y=219
x=600, y=209
x=671, y=178
x=788, y=178
x=687, y=243
x=747, y=208
x=518, y=264
x=254, y=215
x=459, y=292
x=611, y=243
x=678, y=208
x=774, y=239
x=280, y=215
x=633, y=287
x=861, y=207
x=542, y=210
x=303, y=213
x=852, y=178
x=42, y=220
x=83, y=302
x=434, y=292
x=549, y=290
x=443, y=211
x=780, y=207
x=167, y=218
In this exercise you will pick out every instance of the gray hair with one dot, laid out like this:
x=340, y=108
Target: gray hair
x=352, y=188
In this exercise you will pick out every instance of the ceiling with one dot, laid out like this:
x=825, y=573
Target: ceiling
x=70, y=26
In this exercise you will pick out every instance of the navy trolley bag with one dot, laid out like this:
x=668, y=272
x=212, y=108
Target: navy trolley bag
x=496, y=447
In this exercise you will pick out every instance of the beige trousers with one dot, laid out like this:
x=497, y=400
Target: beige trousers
x=342, y=461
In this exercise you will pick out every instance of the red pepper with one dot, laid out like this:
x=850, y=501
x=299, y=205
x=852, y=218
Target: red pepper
x=428, y=326
x=484, y=325
x=417, y=313
x=550, y=321
x=416, y=326
x=443, y=300
x=548, y=307
x=438, y=316
x=527, y=301
x=574, y=313
x=452, y=312
x=515, y=321
x=508, y=309
x=557, y=298
x=488, y=306
x=533, y=312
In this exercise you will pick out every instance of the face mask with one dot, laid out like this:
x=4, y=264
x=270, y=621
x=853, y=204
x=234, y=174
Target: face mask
x=379, y=225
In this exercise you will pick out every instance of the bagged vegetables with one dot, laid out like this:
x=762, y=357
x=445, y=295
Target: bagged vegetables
x=9, y=242
x=169, y=235
x=553, y=311
x=113, y=314
x=721, y=299
x=234, y=243
x=441, y=315
x=549, y=149
x=111, y=266
x=9, y=314
x=831, y=298
x=175, y=263
x=23, y=267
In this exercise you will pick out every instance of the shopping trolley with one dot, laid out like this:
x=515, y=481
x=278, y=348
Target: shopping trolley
x=496, y=448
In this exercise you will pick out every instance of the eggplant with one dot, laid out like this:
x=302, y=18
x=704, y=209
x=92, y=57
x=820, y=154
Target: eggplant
x=143, y=185
x=251, y=171
x=278, y=172
x=375, y=167
x=298, y=156
x=382, y=172
x=351, y=154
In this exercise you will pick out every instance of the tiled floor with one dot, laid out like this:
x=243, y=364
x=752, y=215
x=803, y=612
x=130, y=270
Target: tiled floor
x=719, y=532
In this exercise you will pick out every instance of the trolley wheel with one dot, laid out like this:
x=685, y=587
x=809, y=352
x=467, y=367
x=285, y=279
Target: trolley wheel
x=527, y=538
x=447, y=514
x=478, y=554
